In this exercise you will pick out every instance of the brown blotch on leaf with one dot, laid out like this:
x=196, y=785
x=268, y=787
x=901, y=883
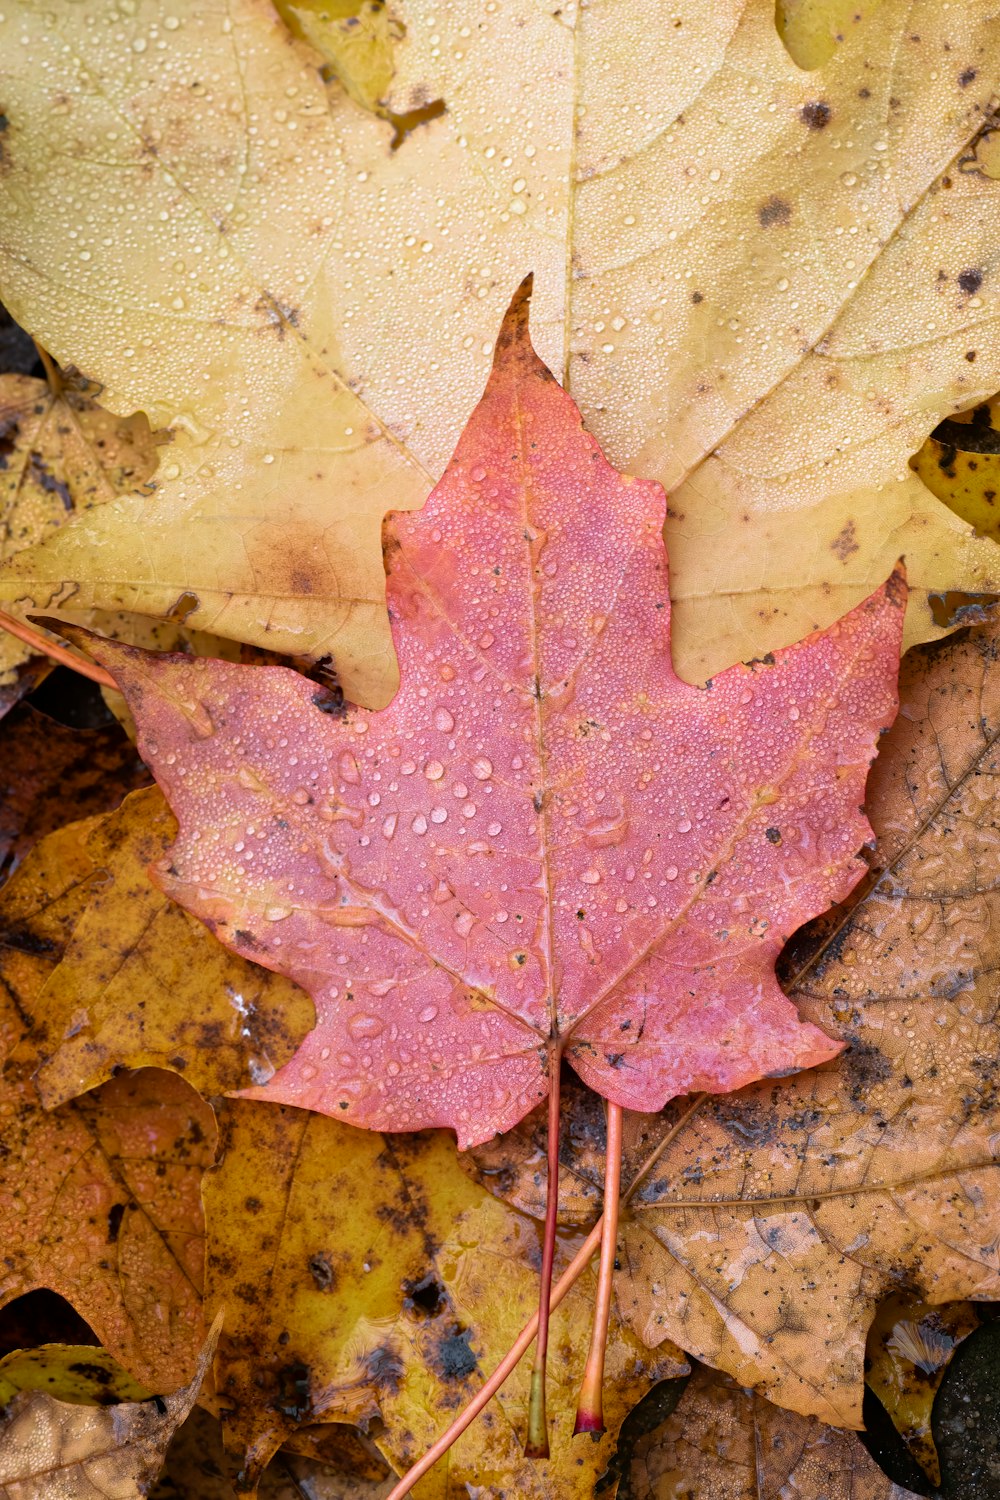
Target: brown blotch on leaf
x=970, y=281
x=774, y=211
x=845, y=542
x=816, y=114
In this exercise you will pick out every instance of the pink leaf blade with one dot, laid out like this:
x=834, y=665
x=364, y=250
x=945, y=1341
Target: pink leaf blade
x=547, y=839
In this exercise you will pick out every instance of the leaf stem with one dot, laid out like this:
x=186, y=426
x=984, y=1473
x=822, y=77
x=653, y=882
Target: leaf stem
x=47, y=647
x=590, y=1408
x=537, y=1442
x=511, y=1359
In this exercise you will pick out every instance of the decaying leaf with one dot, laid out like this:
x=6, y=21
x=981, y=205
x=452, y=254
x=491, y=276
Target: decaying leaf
x=51, y=774
x=60, y=453
x=78, y=1373
x=100, y=1202
x=100, y=1199
x=763, y=286
x=960, y=464
x=387, y=1285
x=725, y=1443
x=910, y=1345
x=467, y=882
x=775, y=1220
x=51, y=1450
x=40, y=905
x=141, y=983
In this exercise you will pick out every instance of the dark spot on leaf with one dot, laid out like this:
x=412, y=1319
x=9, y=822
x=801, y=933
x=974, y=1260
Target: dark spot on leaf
x=456, y=1360
x=970, y=281
x=772, y=211
x=321, y=1270
x=816, y=115
x=774, y=835
x=115, y=1215
x=425, y=1295
x=965, y=77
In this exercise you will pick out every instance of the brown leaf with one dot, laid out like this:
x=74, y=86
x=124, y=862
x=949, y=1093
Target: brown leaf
x=50, y=774
x=141, y=983
x=725, y=1443
x=50, y=1450
x=100, y=1202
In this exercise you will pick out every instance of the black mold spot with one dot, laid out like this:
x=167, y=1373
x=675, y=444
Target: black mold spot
x=456, y=1359
x=965, y=77
x=773, y=835
x=292, y=1398
x=970, y=281
x=115, y=1215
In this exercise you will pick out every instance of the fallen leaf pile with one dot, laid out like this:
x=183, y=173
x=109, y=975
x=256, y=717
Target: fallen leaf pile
x=453, y=786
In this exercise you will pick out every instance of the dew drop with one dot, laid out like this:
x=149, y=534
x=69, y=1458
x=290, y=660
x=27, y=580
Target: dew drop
x=494, y=829
x=389, y=826
x=428, y=1013
x=277, y=913
x=482, y=768
x=361, y=1025
x=478, y=473
x=349, y=768
x=419, y=824
x=684, y=825
x=443, y=720
x=590, y=876
x=434, y=770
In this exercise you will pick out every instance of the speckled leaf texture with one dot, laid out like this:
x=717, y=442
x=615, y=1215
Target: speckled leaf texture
x=792, y=274
x=547, y=841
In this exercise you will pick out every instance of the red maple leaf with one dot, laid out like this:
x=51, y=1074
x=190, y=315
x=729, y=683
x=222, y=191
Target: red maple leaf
x=547, y=846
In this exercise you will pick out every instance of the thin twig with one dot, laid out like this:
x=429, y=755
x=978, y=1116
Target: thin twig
x=590, y=1408
x=62, y=654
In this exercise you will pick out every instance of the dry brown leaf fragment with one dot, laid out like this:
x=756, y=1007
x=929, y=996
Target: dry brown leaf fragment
x=790, y=273
x=143, y=984
x=51, y=1450
x=726, y=1443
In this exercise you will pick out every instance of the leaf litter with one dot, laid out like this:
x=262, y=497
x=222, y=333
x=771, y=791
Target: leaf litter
x=665, y=984
x=280, y=271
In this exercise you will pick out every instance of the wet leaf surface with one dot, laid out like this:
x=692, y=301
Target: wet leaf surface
x=141, y=983
x=51, y=1450
x=471, y=875
x=367, y=1280
x=725, y=1443
x=766, y=272
x=910, y=1345
x=773, y=1221
x=51, y=775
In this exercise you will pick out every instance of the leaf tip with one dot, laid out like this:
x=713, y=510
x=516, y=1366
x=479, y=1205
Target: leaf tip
x=514, y=328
